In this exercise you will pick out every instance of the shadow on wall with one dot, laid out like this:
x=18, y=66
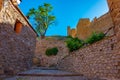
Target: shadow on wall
x=99, y=59
x=16, y=49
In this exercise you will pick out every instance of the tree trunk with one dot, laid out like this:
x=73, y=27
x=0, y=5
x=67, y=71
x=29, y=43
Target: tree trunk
x=42, y=36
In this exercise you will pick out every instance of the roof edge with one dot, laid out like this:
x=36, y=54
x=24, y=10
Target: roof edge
x=17, y=8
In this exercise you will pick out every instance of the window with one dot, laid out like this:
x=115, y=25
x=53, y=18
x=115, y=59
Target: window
x=1, y=3
x=18, y=26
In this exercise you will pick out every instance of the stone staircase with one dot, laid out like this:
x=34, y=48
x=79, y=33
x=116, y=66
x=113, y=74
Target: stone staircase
x=47, y=74
x=44, y=73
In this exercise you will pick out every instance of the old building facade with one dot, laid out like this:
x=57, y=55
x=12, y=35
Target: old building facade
x=17, y=39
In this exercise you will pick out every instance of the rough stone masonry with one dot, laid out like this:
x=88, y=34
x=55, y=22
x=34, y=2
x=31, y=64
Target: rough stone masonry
x=16, y=49
x=100, y=59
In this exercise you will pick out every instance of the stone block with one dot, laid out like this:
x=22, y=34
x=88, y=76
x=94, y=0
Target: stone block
x=1, y=71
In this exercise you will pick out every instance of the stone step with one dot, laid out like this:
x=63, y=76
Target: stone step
x=51, y=75
x=47, y=78
x=45, y=68
x=46, y=72
x=42, y=74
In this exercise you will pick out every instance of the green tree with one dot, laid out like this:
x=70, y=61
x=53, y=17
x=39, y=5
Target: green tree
x=42, y=17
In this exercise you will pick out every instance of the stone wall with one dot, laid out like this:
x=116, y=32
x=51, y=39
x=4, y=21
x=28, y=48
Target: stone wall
x=71, y=32
x=10, y=13
x=68, y=31
x=102, y=24
x=83, y=29
x=16, y=50
x=114, y=6
x=44, y=44
x=100, y=59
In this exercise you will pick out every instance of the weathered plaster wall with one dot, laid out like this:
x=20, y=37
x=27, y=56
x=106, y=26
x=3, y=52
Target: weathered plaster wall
x=16, y=50
x=9, y=14
x=100, y=59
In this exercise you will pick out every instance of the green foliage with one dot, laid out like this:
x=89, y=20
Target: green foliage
x=74, y=43
x=51, y=51
x=70, y=37
x=42, y=17
x=95, y=37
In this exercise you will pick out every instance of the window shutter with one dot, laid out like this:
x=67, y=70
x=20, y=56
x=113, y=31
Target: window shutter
x=1, y=4
x=18, y=26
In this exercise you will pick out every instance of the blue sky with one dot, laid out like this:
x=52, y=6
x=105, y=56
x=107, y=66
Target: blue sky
x=68, y=12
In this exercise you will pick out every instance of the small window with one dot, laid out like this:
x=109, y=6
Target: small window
x=18, y=26
x=1, y=4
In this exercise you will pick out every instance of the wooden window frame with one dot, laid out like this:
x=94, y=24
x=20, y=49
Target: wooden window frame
x=18, y=26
